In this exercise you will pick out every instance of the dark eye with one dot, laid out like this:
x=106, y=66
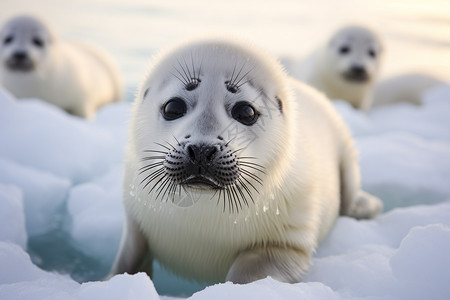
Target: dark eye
x=372, y=53
x=344, y=50
x=244, y=113
x=8, y=40
x=173, y=109
x=38, y=42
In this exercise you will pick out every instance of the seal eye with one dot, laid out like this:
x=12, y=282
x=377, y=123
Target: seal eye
x=372, y=53
x=38, y=42
x=173, y=109
x=244, y=113
x=344, y=50
x=8, y=40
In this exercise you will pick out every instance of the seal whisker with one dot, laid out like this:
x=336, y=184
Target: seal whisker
x=157, y=183
x=226, y=145
x=152, y=157
x=246, y=189
x=193, y=67
x=234, y=69
x=156, y=151
x=164, y=186
x=247, y=157
x=236, y=198
x=251, y=175
x=252, y=167
x=237, y=83
x=152, y=177
x=182, y=81
x=149, y=167
x=173, y=190
x=233, y=80
x=242, y=194
x=250, y=184
x=188, y=71
x=179, y=144
x=186, y=76
x=164, y=146
x=230, y=203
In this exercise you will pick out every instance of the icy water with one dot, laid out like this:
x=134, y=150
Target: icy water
x=416, y=33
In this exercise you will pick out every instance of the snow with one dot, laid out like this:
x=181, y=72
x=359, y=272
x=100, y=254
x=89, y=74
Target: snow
x=60, y=176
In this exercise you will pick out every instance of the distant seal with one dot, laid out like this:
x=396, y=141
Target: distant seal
x=346, y=67
x=233, y=171
x=34, y=63
x=407, y=88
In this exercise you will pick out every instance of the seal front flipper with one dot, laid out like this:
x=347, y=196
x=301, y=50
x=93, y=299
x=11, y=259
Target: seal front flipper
x=133, y=251
x=285, y=264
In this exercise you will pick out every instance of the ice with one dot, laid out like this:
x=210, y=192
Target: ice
x=12, y=215
x=43, y=194
x=98, y=205
x=73, y=149
x=20, y=279
x=421, y=263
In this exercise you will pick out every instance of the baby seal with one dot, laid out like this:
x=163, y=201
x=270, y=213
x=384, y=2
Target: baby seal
x=346, y=67
x=405, y=88
x=34, y=63
x=233, y=170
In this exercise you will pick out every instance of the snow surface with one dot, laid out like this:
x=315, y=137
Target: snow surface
x=60, y=176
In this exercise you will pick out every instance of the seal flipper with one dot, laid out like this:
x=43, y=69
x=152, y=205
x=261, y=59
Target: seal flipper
x=284, y=264
x=355, y=202
x=133, y=251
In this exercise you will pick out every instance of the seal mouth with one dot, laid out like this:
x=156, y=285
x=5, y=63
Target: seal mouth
x=200, y=182
x=356, y=78
x=356, y=75
x=20, y=65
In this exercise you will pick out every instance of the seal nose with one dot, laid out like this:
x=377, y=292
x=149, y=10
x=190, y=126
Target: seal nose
x=20, y=55
x=201, y=153
x=358, y=70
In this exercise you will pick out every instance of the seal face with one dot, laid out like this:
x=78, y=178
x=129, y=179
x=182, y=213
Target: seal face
x=346, y=66
x=24, y=44
x=355, y=52
x=233, y=171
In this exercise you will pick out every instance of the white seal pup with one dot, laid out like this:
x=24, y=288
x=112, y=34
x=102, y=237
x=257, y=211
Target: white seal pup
x=407, y=88
x=34, y=63
x=346, y=66
x=233, y=171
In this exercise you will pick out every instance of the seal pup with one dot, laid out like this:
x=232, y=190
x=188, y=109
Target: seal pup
x=233, y=170
x=34, y=63
x=346, y=66
x=406, y=87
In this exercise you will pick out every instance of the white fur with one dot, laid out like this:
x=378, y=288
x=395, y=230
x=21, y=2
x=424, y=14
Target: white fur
x=325, y=68
x=306, y=150
x=76, y=77
x=407, y=87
